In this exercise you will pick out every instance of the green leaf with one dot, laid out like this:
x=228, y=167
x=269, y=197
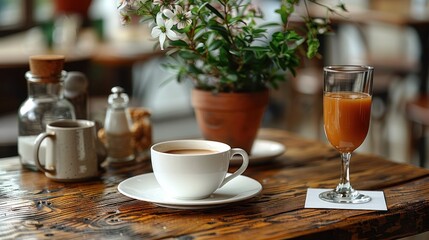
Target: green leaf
x=223, y=56
x=179, y=43
x=188, y=55
x=215, y=45
x=234, y=52
x=199, y=33
x=231, y=78
x=282, y=11
x=193, y=69
x=195, y=10
x=221, y=30
x=257, y=49
x=268, y=25
x=313, y=47
x=292, y=35
x=215, y=11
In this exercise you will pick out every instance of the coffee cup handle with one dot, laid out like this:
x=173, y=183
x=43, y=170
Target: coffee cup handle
x=37, y=144
x=245, y=157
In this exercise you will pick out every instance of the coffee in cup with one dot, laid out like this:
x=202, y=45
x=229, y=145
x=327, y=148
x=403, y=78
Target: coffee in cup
x=190, y=151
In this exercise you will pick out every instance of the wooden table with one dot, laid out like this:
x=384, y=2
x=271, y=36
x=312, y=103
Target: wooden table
x=32, y=206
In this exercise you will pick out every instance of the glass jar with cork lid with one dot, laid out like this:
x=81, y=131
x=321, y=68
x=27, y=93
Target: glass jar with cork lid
x=45, y=103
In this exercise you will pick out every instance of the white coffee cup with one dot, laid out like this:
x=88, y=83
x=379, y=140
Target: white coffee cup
x=71, y=153
x=194, y=169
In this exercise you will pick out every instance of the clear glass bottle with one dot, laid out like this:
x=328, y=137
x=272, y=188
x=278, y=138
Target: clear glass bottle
x=117, y=127
x=45, y=103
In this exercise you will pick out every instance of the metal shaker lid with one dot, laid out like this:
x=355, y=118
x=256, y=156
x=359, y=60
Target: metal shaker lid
x=118, y=99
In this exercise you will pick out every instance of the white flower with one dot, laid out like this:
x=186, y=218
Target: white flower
x=165, y=4
x=126, y=9
x=171, y=15
x=129, y=5
x=163, y=30
x=125, y=18
x=179, y=17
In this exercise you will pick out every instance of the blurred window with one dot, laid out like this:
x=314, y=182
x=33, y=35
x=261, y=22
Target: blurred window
x=20, y=15
x=11, y=13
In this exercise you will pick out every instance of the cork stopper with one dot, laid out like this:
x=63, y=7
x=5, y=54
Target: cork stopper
x=47, y=68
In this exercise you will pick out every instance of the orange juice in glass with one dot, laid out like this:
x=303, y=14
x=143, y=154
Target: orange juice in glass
x=347, y=95
x=346, y=117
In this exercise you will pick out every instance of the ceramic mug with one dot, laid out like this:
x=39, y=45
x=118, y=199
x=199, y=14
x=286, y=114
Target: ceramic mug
x=194, y=169
x=71, y=153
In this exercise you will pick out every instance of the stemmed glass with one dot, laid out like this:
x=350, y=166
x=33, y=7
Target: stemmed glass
x=347, y=97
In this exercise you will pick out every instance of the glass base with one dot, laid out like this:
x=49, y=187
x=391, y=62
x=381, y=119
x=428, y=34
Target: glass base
x=345, y=197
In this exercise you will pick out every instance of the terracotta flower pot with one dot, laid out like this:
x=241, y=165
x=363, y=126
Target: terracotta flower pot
x=72, y=6
x=232, y=118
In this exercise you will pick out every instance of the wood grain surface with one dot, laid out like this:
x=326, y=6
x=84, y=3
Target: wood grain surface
x=32, y=206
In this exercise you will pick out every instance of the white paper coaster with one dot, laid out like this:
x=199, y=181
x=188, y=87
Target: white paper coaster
x=377, y=202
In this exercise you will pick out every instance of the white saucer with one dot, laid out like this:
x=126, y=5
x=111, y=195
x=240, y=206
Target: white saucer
x=263, y=150
x=145, y=187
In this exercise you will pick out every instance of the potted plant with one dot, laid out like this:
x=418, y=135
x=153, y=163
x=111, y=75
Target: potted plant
x=232, y=58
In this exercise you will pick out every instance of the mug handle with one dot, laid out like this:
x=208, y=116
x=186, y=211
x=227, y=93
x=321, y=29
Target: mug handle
x=237, y=151
x=37, y=144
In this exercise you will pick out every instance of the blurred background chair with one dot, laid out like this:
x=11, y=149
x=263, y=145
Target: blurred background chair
x=417, y=112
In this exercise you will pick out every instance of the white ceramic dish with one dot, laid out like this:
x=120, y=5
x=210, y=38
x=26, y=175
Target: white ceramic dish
x=262, y=151
x=145, y=188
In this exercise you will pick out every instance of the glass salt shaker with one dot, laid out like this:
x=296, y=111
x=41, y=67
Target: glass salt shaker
x=117, y=127
x=45, y=103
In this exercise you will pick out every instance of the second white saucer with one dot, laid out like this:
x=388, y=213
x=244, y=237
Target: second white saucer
x=262, y=151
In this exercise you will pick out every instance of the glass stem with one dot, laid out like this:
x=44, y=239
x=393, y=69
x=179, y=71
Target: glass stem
x=344, y=187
